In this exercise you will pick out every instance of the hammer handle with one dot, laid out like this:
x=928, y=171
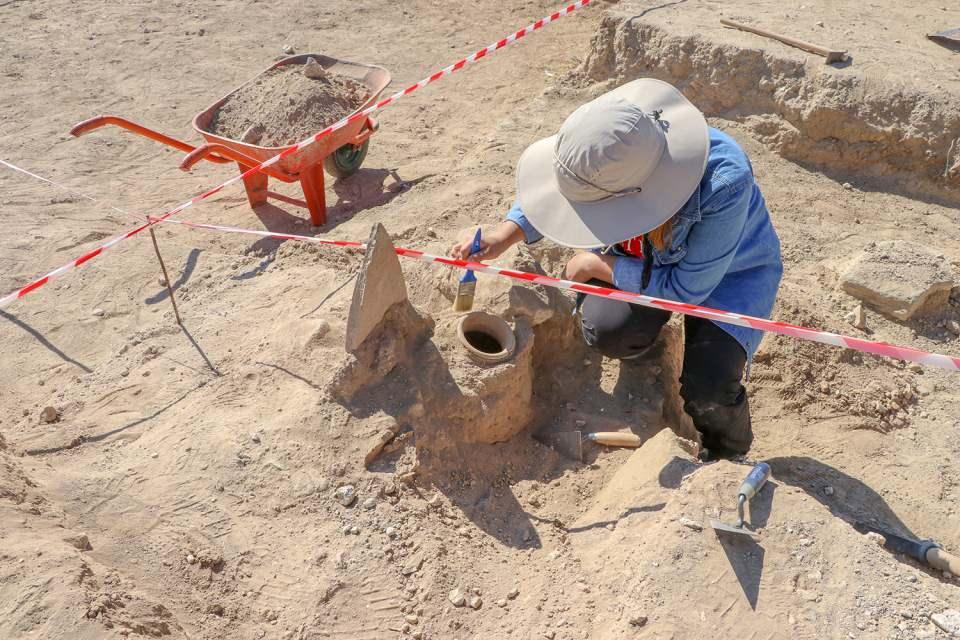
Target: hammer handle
x=940, y=559
x=830, y=54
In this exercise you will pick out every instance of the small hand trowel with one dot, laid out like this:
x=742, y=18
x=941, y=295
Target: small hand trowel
x=570, y=443
x=752, y=484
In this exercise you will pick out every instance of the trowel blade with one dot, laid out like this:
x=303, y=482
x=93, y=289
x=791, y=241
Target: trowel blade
x=729, y=528
x=949, y=37
x=567, y=443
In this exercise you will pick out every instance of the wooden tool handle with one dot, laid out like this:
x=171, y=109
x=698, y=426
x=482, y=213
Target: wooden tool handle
x=616, y=438
x=829, y=54
x=940, y=559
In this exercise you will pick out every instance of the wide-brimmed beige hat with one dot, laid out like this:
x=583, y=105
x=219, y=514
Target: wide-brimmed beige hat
x=620, y=166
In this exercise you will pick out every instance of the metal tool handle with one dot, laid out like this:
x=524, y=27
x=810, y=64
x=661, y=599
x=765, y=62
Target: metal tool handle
x=754, y=481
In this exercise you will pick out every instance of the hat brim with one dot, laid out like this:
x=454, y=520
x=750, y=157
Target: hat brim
x=587, y=225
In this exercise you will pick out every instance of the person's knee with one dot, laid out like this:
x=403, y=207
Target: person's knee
x=617, y=342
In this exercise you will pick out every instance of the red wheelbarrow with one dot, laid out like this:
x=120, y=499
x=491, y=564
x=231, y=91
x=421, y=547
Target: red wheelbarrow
x=341, y=152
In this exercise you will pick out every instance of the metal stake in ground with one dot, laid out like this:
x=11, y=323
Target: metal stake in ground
x=166, y=278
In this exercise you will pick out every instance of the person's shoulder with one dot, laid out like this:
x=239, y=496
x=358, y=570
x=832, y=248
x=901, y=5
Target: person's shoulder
x=728, y=169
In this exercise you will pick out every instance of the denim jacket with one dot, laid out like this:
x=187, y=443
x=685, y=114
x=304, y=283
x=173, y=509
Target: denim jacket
x=724, y=252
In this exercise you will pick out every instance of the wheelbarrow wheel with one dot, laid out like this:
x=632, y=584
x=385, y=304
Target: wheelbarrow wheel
x=346, y=160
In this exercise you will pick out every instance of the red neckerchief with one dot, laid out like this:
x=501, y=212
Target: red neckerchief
x=633, y=246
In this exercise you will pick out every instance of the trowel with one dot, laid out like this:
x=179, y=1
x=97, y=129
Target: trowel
x=570, y=443
x=752, y=484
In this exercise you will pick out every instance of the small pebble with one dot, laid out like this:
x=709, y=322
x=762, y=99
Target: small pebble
x=98, y=312
x=369, y=503
x=346, y=495
x=690, y=524
x=49, y=415
x=828, y=490
x=287, y=49
x=457, y=598
x=475, y=602
x=638, y=620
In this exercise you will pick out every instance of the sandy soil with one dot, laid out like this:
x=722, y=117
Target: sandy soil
x=202, y=465
x=284, y=106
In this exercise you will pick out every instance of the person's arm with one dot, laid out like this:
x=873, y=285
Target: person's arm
x=711, y=246
x=494, y=242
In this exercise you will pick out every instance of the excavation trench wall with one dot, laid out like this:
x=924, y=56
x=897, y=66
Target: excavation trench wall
x=837, y=119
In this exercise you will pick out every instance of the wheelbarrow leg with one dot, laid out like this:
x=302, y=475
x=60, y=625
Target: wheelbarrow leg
x=256, y=186
x=311, y=180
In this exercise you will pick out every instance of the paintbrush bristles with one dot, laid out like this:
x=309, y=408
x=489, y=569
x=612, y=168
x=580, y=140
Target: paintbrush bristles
x=465, y=294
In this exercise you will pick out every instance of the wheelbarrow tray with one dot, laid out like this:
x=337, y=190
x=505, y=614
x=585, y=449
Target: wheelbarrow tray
x=374, y=78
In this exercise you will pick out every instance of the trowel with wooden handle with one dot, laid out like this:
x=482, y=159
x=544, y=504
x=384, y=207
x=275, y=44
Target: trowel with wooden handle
x=926, y=551
x=570, y=443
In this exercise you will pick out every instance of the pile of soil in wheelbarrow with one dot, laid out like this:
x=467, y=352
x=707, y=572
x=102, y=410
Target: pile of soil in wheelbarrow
x=287, y=104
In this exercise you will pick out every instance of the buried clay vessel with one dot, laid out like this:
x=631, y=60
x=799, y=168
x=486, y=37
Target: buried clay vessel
x=486, y=338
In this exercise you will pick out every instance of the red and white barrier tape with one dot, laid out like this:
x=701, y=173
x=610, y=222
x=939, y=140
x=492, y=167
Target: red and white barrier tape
x=950, y=363
x=456, y=66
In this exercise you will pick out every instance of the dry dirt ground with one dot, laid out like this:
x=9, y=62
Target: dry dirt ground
x=188, y=488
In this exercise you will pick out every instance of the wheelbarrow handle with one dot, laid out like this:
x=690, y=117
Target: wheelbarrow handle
x=82, y=128
x=206, y=151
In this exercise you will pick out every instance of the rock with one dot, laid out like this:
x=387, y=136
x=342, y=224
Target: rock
x=314, y=70
x=413, y=565
x=948, y=621
x=391, y=532
x=340, y=560
x=954, y=327
x=512, y=595
x=876, y=538
x=387, y=429
x=638, y=620
x=49, y=415
x=253, y=134
x=502, y=602
x=355, y=530
x=346, y=495
x=857, y=317
x=380, y=285
x=475, y=602
x=828, y=490
x=98, y=312
x=287, y=49
x=255, y=437
x=847, y=186
x=900, y=279
x=369, y=503
x=79, y=541
x=457, y=598
x=191, y=559
x=690, y=524
x=411, y=618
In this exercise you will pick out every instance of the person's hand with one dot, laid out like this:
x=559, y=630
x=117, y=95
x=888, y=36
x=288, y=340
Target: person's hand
x=586, y=266
x=461, y=250
x=492, y=243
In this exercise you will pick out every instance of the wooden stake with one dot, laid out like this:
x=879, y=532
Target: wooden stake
x=166, y=278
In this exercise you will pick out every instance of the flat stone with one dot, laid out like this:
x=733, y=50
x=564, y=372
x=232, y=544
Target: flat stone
x=380, y=285
x=900, y=279
x=690, y=524
x=948, y=621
